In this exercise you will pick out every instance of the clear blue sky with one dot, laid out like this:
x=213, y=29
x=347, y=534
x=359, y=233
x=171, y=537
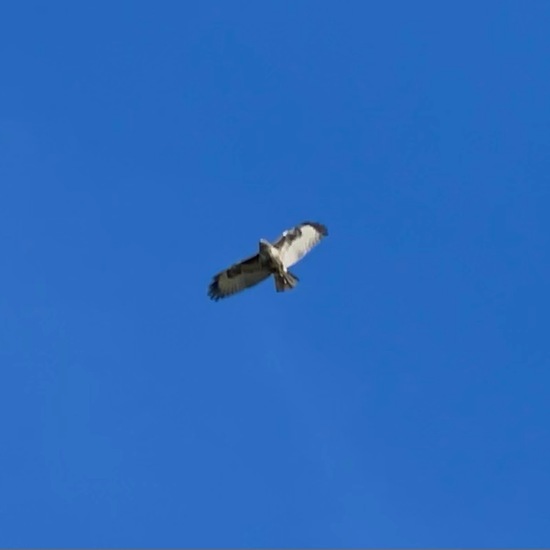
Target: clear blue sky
x=398, y=397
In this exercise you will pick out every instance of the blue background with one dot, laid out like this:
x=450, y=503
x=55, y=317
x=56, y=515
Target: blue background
x=398, y=397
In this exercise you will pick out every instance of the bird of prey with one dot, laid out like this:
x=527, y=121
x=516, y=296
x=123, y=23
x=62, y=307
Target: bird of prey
x=271, y=259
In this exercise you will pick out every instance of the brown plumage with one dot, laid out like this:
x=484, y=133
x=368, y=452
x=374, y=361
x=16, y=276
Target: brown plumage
x=272, y=259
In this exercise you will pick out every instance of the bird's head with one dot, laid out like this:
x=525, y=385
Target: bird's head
x=265, y=246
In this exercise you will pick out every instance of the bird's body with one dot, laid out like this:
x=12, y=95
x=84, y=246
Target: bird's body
x=271, y=259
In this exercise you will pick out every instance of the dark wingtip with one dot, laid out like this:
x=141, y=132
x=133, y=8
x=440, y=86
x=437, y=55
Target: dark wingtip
x=214, y=290
x=319, y=227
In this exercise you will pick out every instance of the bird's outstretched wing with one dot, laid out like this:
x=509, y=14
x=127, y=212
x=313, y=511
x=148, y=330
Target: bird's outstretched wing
x=238, y=277
x=295, y=243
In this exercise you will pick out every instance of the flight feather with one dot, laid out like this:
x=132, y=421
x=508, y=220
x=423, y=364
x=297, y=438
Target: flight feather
x=272, y=259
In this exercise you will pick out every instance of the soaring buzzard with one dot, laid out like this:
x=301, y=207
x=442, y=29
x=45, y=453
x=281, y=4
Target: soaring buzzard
x=272, y=259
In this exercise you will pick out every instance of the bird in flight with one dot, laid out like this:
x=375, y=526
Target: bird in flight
x=271, y=259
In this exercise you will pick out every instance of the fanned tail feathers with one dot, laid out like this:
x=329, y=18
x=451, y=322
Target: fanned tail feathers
x=285, y=281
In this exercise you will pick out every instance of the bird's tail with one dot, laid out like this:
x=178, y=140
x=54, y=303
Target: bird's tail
x=285, y=281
